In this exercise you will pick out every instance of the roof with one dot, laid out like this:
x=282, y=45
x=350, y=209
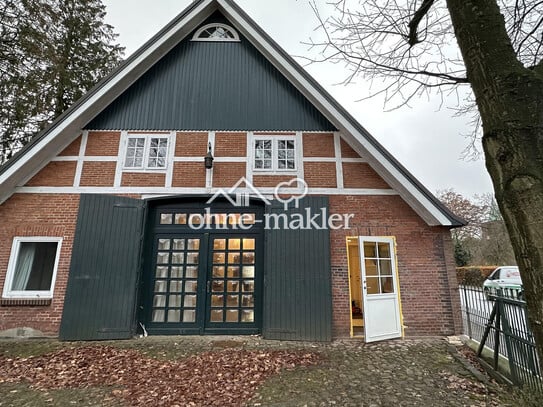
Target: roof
x=65, y=129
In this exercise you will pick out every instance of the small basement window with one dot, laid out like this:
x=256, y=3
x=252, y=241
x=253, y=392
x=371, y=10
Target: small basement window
x=216, y=32
x=144, y=152
x=32, y=267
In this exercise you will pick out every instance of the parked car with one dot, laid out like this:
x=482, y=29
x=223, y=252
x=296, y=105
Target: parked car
x=504, y=278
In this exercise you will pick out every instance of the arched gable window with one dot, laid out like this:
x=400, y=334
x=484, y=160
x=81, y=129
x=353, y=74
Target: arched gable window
x=216, y=32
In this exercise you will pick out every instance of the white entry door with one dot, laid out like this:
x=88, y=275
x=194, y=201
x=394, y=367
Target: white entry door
x=380, y=290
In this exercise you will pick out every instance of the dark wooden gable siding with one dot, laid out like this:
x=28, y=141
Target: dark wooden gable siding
x=212, y=86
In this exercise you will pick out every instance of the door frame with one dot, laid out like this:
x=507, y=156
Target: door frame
x=198, y=204
x=356, y=243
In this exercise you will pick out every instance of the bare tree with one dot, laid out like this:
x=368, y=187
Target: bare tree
x=408, y=45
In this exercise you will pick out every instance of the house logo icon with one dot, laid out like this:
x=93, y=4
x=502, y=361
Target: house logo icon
x=284, y=192
x=242, y=194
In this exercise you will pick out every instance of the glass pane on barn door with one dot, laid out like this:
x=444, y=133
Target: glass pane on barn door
x=175, y=280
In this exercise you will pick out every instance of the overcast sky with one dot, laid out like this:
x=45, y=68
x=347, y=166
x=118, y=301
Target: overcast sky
x=426, y=140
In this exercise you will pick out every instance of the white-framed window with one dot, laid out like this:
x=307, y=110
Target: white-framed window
x=276, y=153
x=32, y=267
x=146, y=152
x=216, y=32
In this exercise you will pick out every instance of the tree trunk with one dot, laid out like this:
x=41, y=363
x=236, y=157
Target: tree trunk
x=510, y=102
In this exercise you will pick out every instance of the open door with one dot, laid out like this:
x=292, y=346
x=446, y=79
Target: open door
x=380, y=289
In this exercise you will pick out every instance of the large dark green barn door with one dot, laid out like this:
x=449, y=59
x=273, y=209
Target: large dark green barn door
x=297, y=284
x=101, y=295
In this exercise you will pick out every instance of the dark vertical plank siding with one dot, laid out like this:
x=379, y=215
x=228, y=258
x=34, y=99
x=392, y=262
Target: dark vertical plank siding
x=203, y=85
x=102, y=286
x=297, y=285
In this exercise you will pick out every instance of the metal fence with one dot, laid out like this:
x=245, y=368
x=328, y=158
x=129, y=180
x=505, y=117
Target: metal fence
x=498, y=322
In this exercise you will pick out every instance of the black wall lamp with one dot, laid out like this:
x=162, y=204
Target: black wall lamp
x=208, y=159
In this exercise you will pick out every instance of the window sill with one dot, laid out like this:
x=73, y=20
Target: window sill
x=25, y=302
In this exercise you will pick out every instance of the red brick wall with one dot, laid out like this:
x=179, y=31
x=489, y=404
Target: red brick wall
x=55, y=174
x=227, y=174
x=37, y=215
x=230, y=144
x=318, y=145
x=320, y=174
x=270, y=180
x=424, y=254
x=347, y=151
x=193, y=144
x=103, y=143
x=189, y=174
x=98, y=174
x=73, y=148
x=140, y=179
x=361, y=175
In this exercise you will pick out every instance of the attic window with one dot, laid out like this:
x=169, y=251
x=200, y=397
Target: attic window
x=216, y=32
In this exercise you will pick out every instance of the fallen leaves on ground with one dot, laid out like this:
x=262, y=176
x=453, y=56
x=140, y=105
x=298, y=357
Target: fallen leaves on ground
x=226, y=378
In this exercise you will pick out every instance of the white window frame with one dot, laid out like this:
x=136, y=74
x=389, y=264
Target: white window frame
x=198, y=33
x=147, y=145
x=10, y=274
x=275, y=157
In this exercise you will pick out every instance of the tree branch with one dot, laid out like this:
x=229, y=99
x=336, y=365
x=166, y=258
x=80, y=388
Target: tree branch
x=415, y=21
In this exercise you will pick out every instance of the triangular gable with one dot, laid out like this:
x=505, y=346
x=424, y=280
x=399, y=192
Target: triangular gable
x=66, y=128
x=212, y=85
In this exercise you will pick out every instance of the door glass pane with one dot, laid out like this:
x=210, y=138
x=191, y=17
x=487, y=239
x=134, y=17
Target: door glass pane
x=217, y=286
x=174, y=315
x=233, y=286
x=160, y=286
x=192, y=258
x=247, y=316
x=189, y=316
x=218, y=258
x=191, y=272
x=218, y=271
x=248, y=244
x=371, y=267
x=216, y=315
x=178, y=258
x=178, y=244
x=232, y=301
x=247, y=301
x=248, y=258
x=163, y=244
x=372, y=284
x=190, y=301
x=176, y=272
x=190, y=286
x=233, y=258
x=161, y=272
x=217, y=300
x=370, y=249
x=248, y=286
x=181, y=218
x=174, y=301
x=248, y=272
x=158, y=315
x=163, y=257
x=234, y=244
x=233, y=271
x=166, y=218
x=193, y=244
x=384, y=250
x=176, y=286
x=232, y=315
x=248, y=218
x=219, y=244
x=387, y=285
x=159, y=301
x=385, y=267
